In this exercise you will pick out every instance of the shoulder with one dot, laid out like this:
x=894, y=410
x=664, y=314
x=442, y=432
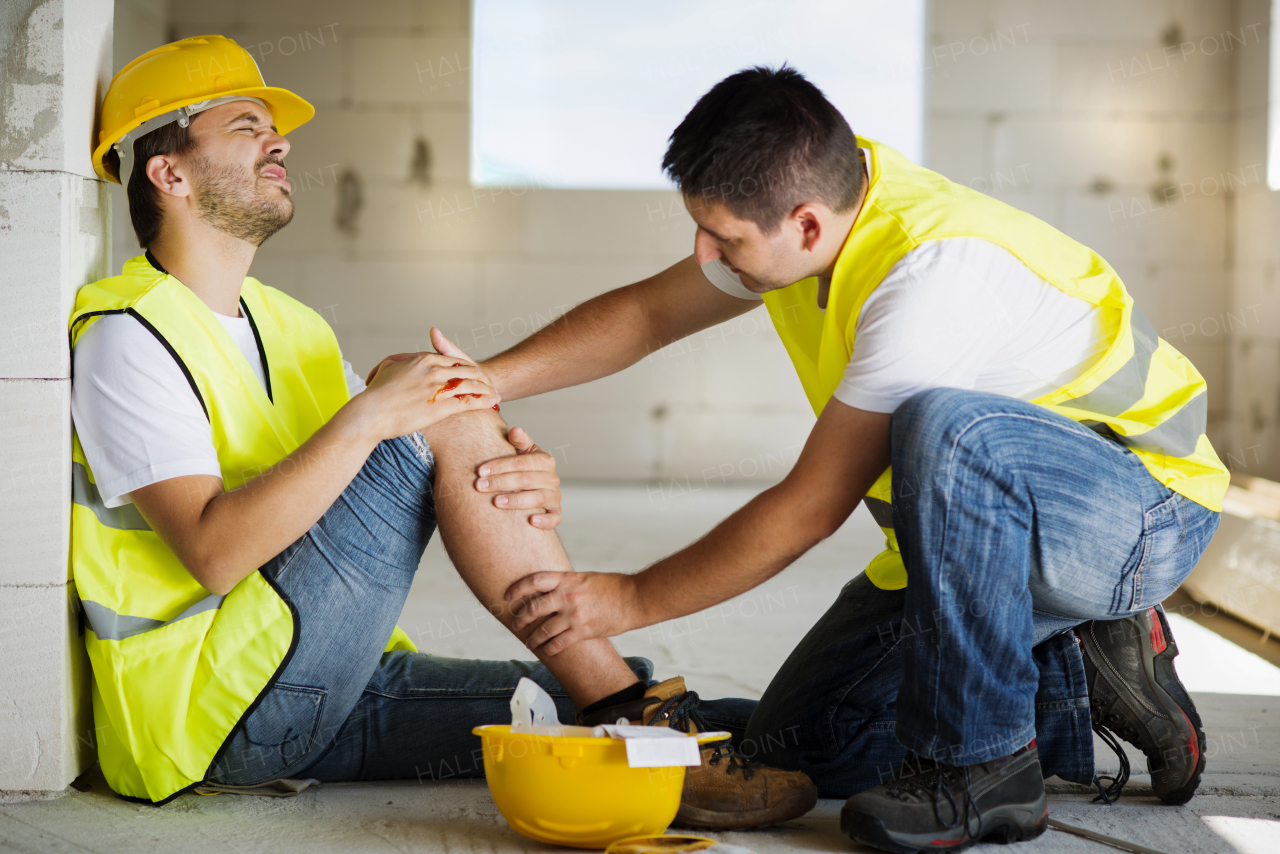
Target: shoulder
x=114, y=333
x=954, y=267
x=137, y=279
x=957, y=254
x=274, y=296
x=940, y=285
x=115, y=347
x=284, y=308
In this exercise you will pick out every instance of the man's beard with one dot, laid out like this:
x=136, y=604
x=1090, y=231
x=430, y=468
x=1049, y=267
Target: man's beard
x=228, y=199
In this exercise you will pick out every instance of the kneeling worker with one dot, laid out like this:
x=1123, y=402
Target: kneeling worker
x=249, y=517
x=1051, y=480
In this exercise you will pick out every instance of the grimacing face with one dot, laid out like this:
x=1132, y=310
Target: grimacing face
x=238, y=176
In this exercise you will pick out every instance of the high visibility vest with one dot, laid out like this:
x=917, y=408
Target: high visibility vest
x=1141, y=392
x=175, y=667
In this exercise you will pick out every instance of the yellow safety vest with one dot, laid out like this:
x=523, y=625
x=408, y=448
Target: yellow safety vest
x=175, y=667
x=1141, y=392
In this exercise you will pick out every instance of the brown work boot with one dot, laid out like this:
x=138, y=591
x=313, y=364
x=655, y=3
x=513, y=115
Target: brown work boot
x=727, y=791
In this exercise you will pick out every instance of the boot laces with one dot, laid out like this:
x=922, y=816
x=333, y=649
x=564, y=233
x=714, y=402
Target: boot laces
x=1110, y=793
x=905, y=783
x=682, y=712
x=736, y=760
x=932, y=780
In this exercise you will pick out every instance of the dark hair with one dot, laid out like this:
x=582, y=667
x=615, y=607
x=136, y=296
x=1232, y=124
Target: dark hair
x=144, y=198
x=762, y=142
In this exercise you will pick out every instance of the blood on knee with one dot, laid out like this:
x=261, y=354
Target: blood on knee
x=454, y=383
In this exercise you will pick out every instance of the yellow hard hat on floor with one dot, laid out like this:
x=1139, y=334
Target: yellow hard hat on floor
x=577, y=792
x=175, y=82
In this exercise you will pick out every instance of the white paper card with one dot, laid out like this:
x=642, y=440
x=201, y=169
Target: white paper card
x=662, y=752
x=655, y=746
x=633, y=731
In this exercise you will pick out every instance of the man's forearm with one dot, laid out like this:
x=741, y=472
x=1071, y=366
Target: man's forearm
x=845, y=453
x=847, y=450
x=222, y=537
x=600, y=337
x=614, y=331
x=757, y=542
x=241, y=529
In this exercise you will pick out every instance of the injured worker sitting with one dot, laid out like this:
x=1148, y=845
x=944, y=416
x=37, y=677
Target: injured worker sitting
x=249, y=515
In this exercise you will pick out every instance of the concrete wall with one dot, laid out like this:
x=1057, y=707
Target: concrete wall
x=1254, y=321
x=140, y=26
x=1115, y=123
x=55, y=60
x=422, y=248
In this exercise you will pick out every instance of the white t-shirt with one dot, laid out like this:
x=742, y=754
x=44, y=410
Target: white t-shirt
x=134, y=411
x=959, y=313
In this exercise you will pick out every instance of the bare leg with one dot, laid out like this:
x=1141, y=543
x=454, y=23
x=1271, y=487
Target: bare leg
x=493, y=548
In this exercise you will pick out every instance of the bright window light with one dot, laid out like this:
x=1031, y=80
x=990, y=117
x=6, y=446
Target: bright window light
x=1245, y=835
x=580, y=94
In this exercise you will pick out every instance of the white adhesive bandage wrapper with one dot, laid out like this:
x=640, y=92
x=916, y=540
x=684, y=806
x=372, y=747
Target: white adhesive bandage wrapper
x=534, y=712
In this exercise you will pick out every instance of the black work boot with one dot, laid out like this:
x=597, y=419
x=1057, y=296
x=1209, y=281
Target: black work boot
x=932, y=806
x=726, y=791
x=1134, y=692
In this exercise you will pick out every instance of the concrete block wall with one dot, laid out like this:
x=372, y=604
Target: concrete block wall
x=1253, y=322
x=1137, y=128
x=390, y=238
x=1114, y=122
x=140, y=26
x=55, y=59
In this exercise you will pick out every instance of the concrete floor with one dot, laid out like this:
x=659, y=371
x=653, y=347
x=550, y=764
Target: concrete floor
x=730, y=651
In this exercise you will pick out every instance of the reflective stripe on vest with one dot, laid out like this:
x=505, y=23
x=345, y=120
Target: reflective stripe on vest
x=85, y=493
x=1126, y=386
x=1176, y=436
x=108, y=625
x=1140, y=392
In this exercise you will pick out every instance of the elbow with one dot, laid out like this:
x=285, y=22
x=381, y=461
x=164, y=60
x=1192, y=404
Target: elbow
x=813, y=521
x=218, y=588
x=212, y=574
x=810, y=517
x=823, y=525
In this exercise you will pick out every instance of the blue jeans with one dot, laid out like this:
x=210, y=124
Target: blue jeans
x=1016, y=524
x=341, y=709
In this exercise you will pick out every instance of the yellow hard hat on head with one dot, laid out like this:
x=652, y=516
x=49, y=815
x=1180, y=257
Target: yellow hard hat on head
x=175, y=82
